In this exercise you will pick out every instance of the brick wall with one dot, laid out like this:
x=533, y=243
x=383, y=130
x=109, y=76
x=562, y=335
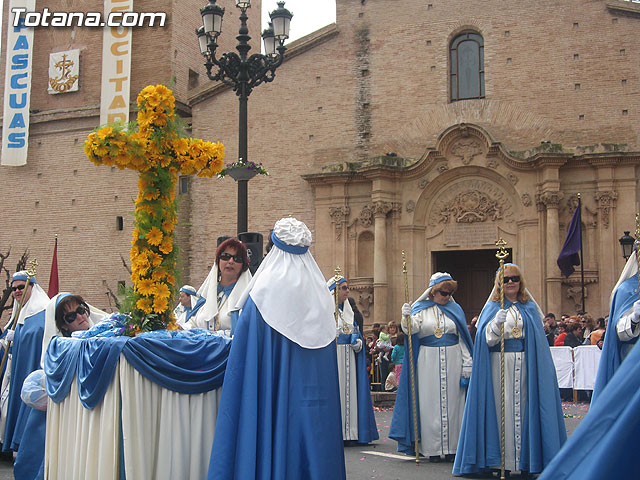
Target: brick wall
x=372, y=86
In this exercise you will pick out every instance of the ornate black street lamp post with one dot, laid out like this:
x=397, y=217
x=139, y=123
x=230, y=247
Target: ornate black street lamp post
x=243, y=73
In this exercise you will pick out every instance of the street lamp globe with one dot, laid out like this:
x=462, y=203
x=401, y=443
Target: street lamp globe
x=212, y=18
x=202, y=40
x=626, y=242
x=281, y=19
x=269, y=40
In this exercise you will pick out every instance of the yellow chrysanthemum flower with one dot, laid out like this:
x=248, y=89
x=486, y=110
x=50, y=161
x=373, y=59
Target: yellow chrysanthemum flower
x=168, y=226
x=145, y=287
x=158, y=275
x=166, y=246
x=160, y=305
x=162, y=290
x=145, y=305
x=155, y=259
x=154, y=237
x=103, y=133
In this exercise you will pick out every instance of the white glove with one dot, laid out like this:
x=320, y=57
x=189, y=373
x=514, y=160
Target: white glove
x=501, y=316
x=466, y=371
x=9, y=336
x=406, y=310
x=634, y=319
x=357, y=346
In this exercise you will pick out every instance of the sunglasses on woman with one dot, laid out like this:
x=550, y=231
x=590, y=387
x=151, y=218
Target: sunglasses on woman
x=18, y=287
x=227, y=256
x=444, y=294
x=514, y=279
x=70, y=317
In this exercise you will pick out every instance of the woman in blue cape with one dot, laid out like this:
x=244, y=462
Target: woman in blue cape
x=65, y=313
x=358, y=421
x=26, y=351
x=279, y=413
x=622, y=329
x=442, y=357
x=534, y=423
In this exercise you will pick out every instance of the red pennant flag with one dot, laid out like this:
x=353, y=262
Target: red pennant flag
x=54, y=286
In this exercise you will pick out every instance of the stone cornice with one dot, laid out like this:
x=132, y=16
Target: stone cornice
x=332, y=178
x=89, y=111
x=295, y=48
x=545, y=156
x=624, y=7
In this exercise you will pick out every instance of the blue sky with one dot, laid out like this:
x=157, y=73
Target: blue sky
x=308, y=15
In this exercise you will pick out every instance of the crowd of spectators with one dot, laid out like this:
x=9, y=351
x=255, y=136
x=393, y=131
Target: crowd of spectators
x=574, y=330
x=386, y=343
x=386, y=355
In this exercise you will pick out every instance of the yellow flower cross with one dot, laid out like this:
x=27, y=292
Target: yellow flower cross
x=159, y=153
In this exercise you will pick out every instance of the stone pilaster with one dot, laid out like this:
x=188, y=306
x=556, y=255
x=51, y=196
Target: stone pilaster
x=380, y=211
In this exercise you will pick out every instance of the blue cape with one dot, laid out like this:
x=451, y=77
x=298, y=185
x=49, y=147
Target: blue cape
x=29, y=463
x=543, y=430
x=367, y=429
x=623, y=299
x=402, y=421
x=279, y=413
x=603, y=444
x=26, y=350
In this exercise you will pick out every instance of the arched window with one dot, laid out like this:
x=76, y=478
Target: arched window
x=466, y=56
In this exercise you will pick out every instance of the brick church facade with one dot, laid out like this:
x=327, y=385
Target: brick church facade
x=419, y=126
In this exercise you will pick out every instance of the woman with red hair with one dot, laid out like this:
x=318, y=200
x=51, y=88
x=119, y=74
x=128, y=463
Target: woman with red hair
x=216, y=308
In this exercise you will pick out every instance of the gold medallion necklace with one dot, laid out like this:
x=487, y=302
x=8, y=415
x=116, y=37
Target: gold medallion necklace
x=438, y=332
x=516, y=331
x=345, y=327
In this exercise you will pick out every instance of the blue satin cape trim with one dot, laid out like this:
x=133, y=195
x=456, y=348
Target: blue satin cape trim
x=178, y=364
x=543, y=429
x=611, y=357
x=26, y=350
x=402, y=420
x=279, y=414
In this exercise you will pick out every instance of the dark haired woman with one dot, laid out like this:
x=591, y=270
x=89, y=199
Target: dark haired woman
x=216, y=309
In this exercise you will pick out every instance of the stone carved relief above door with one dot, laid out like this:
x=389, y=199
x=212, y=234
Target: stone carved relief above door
x=471, y=201
x=466, y=150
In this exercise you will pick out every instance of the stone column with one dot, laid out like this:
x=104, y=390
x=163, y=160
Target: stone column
x=380, y=285
x=551, y=201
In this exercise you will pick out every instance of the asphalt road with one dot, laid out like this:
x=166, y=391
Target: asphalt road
x=380, y=459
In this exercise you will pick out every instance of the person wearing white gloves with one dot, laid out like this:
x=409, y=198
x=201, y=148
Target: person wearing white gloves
x=533, y=423
x=622, y=330
x=358, y=421
x=442, y=349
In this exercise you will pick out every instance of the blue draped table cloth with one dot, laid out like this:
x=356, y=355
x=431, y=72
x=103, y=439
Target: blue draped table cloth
x=137, y=408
